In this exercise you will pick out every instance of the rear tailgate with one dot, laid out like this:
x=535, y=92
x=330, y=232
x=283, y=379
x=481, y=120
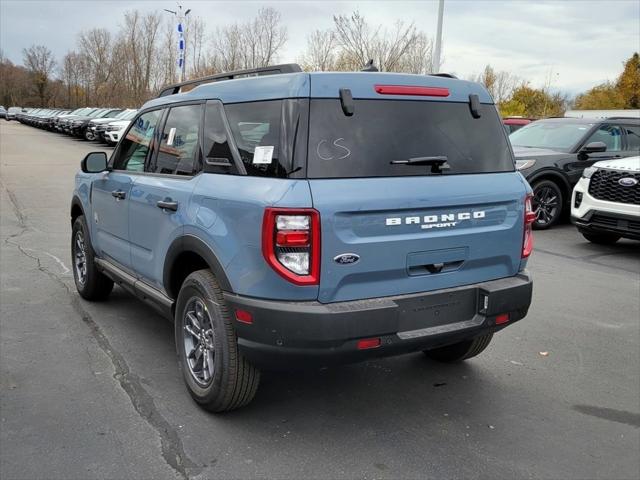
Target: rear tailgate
x=415, y=183
x=416, y=234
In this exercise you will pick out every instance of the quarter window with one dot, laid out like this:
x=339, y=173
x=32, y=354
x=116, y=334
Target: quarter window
x=611, y=135
x=256, y=129
x=135, y=146
x=179, y=152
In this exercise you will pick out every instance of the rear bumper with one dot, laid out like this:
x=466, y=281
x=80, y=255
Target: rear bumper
x=296, y=334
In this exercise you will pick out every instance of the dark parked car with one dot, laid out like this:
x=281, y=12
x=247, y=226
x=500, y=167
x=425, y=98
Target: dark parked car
x=78, y=126
x=552, y=154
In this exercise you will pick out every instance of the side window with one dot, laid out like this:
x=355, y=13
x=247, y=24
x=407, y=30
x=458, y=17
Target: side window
x=179, y=152
x=611, y=135
x=633, y=138
x=217, y=151
x=256, y=130
x=135, y=146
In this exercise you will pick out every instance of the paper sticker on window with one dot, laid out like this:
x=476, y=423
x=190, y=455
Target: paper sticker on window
x=172, y=134
x=263, y=155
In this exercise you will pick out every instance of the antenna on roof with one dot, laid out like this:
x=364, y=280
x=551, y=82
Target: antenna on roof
x=370, y=67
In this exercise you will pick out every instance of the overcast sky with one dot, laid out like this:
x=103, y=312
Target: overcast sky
x=576, y=43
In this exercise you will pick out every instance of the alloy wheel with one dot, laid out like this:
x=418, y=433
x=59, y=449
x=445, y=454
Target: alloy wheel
x=80, y=258
x=198, y=338
x=546, y=204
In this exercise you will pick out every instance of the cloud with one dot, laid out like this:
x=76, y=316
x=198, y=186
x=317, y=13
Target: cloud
x=581, y=43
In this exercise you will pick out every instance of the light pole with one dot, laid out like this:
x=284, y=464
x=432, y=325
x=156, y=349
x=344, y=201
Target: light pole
x=436, y=53
x=182, y=17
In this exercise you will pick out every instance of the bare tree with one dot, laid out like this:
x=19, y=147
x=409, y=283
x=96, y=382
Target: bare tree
x=137, y=45
x=401, y=49
x=14, y=83
x=418, y=58
x=168, y=56
x=264, y=38
x=249, y=45
x=321, y=52
x=72, y=67
x=96, y=48
x=40, y=62
x=195, y=54
x=228, y=48
x=500, y=85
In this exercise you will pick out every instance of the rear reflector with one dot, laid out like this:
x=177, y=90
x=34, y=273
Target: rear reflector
x=367, y=343
x=412, y=90
x=293, y=239
x=244, y=316
x=500, y=319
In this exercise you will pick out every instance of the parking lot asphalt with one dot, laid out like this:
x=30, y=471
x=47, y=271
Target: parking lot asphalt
x=92, y=390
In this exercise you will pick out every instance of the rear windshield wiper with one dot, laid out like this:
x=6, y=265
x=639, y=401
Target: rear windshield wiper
x=438, y=163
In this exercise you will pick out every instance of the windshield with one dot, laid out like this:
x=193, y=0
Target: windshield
x=383, y=131
x=122, y=114
x=552, y=135
x=109, y=114
x=129, y=115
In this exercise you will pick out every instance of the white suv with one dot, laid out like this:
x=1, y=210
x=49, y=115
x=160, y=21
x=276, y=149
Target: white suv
x=606, y=201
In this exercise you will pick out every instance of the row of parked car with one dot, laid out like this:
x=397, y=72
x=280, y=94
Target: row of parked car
x=91, y=123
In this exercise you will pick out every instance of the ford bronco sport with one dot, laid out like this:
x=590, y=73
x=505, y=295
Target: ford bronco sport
x=289, y=218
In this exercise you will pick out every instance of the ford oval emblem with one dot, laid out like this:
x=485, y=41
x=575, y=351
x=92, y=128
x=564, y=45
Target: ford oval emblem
x=628, y=182
x=346, y=258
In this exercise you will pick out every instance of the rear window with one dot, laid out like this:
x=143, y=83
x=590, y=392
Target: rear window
x=381, y=131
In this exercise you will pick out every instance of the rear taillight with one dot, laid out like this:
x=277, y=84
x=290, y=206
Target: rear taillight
x=291, y=243
x=529, y=218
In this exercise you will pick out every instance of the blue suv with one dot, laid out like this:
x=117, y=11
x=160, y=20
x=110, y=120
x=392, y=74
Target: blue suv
x=285, y=219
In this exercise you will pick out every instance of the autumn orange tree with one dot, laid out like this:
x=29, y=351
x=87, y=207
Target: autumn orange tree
x=621, y=94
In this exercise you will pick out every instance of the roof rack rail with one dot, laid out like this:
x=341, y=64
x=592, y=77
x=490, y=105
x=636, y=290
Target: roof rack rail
x=622, y=118
x=447, y=75
x=252, y=72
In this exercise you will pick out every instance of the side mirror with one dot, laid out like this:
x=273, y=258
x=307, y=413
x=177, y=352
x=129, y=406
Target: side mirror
x=594, y=147
x=94, y=162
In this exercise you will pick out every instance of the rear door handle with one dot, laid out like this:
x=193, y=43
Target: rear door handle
x=119, y=194
x=168, y=204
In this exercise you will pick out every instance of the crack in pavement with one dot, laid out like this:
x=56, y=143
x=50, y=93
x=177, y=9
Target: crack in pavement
x=143, y=403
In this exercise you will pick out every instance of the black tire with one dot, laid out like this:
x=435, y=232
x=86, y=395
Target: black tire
x=230, y=381
x=460, y=351
x=90, y=283
x=601, y=238
x=88, y=135
x=548, y=203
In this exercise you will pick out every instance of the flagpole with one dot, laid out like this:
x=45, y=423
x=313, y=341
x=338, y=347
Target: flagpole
x=182, y=47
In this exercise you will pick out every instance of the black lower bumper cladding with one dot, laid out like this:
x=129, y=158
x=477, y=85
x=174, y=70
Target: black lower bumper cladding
x=627, y=226
x=297, y=334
